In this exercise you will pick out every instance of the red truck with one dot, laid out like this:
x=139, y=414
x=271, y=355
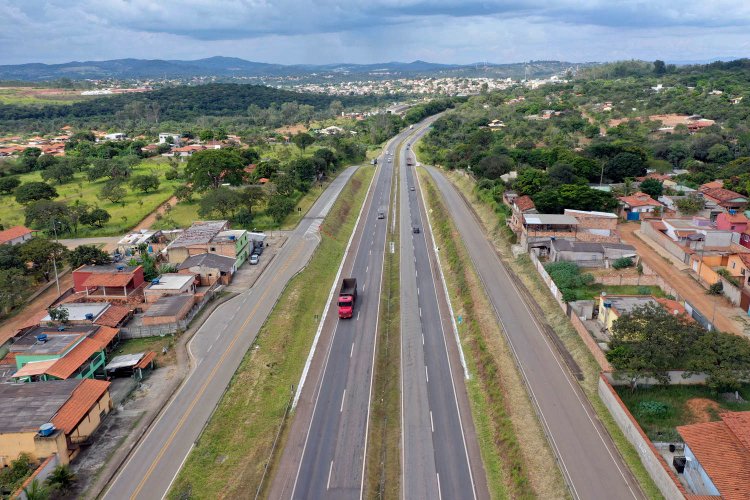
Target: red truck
x=347, y=297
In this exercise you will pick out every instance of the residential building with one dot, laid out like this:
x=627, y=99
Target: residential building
x=726, y=199
x=718, y=457
x=732, y=221
x=48, y=353
x=116, y=281
x=696, y=233
x=169, y=284
x=97, y=313
x=600, y=227
x=185, y=151
x=16, y=235
x=210, y=268
x=210, y=237
x=520, y=205
x=638, y=205
x=168, y=309
x=117, y=136
x=74, y=408
x=171, y=138
x=537, y=230
x=137, y=365
x=611, y=307
x=589, y=253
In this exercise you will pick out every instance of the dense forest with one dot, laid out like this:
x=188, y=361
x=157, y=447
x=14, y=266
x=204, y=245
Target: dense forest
x=561, y=139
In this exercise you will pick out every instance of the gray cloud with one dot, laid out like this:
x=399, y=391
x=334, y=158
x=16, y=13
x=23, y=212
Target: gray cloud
x=298, y=31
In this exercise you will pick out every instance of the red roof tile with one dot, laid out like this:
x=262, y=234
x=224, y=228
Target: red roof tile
x=108, y=279
x=146, y=360
x=113, y=316
x=79, y=404
x=721, y=194
x=639, y=200
x=13, y=233
x=524, y=203
x=712, y=185
x=104, y=335
x=721, y=449
x=72, y=361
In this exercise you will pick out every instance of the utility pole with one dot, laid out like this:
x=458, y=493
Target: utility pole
x=54, y=260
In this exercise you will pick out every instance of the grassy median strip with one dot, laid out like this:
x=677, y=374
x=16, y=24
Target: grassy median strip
x=523, y=267
x=230, y=456
x=383, y=451
x=514, y=451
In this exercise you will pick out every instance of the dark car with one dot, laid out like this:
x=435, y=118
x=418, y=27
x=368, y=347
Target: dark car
x=415, y=230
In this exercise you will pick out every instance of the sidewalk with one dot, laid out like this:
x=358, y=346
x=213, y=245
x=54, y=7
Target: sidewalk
x=716, y=309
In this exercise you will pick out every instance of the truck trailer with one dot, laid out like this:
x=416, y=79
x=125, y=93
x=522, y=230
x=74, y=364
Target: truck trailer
x=347, y=297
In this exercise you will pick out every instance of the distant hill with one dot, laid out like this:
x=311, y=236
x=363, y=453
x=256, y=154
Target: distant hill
x=232, y=67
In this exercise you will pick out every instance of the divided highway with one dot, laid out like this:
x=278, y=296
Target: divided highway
x=435, y=456
x=588, y=458
x=217, y=349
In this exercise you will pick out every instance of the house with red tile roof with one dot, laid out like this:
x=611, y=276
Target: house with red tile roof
x=718, y=456
x=110, y=281
x=16, y=235
x=55, y=417
x=520, y=205
x=725, y=198
x=736, y=222
x=638, y=205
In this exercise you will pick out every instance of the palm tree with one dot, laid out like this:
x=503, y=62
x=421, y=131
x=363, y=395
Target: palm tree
x=37, y=491
x=61, y=479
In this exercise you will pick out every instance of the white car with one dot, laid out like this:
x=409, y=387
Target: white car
x=254, y=259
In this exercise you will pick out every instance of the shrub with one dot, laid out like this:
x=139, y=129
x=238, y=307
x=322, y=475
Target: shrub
x=716, y=289
x=622, y=263
x=568, y=277
x=652, y=409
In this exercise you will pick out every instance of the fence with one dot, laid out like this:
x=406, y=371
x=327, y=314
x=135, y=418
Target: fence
x=135, y=332
x=663, y=477
x=40, y=474
x=648, y=278
x=664, y=242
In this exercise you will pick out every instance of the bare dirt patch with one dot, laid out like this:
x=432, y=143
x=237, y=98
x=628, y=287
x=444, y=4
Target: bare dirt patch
x=702, y=409
x=292, y=129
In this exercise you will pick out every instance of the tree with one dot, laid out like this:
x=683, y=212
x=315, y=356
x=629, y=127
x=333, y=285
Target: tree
x=325, y=154
x=624, y=165
x=530, y=181
x=303, y=168
x=302, y=140
x=59, y=314
x=62, y=479
x=13, y=286
x=562, y=173
x=184, y=193
x=221, y=200
x=652, y=187
x=9, y=184
x=96, y=218
x=48, y=215
x=493, y=166
x=210, y=168
x=252, y=196
x=9, y=258
x=44, y=162
x=36, y=491
x=33, y=191
x=690, y=205
x=145, y=183
x=725, y=358
x=61, y=172
x=660, y=68
x=719, y=153
x=88, y=255
x=279, y=207
x=42, y=254
x=28, y=158
x=99, y=168
x=113, y=191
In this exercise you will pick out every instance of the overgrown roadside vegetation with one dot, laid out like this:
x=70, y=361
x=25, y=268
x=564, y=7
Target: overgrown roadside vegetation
x=515, y=453
x=383, y=451
x=231, y=454
x=501, y=237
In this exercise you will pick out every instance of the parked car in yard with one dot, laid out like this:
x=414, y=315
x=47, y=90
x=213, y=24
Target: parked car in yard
x=254, y=259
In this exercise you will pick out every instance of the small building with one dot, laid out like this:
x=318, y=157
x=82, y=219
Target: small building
x=154, y=240
x=137, y=365
x=520, y=205
x=50, y=417
x=117, y=136
x=732, y=221
x=717, y=457
x=595, y=226
x=537, y=230
x=98, y=313
x=210, y=237
x=186, y=151
x=726, y=199
x=112, y=280
x=169, y=138
x=16, y=235
x=589, y=253
x=634, y=207
x=168, y=309
x=611, y=307
x=169, y=284
x=210, y=268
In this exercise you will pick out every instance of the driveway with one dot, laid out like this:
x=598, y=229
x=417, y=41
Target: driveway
x=716, y=309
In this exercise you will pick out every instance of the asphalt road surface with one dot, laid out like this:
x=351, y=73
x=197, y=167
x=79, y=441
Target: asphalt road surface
x=435, y=455
x=588, y=458
x=217, y=348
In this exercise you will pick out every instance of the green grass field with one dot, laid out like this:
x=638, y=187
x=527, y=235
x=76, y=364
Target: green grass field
x=229, y=459
x=33, y=96
x=125, y=215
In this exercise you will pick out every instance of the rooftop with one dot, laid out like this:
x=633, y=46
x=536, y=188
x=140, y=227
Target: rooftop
x=124, y=361
x=199, y=233
x=115, y=278
x=217, y=261
x=107, y=268
x=72, y=361
x=229, y=235
x=169, y=305
x=550, y=219
x=639, y=200
x=78, y=405
x=113, y=316
x=589, y=213
x=723, y=450
x=524, y=203
x=57, y=343
x=627, y=303
x=138, y=237
x=77, y=311
x=724, y=195
x=171, y=281
x=27, y=406
x=13, y=233
x=585, y=246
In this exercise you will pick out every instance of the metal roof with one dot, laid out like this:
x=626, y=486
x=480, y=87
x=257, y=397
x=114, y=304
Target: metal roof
x=124, y=361
x=220, y=262
x=199, y=233
x=26, y=406
x=169, y=305
x=550, y=219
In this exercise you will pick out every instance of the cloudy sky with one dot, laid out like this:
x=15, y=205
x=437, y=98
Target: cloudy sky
x=368, y=31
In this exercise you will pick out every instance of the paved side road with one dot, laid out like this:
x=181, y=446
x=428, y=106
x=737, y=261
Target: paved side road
x=217, y=350
x=588, y=458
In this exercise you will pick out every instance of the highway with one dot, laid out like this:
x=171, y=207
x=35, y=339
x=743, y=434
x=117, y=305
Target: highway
x=435, y=456
x=217, y=350
x=587, y=456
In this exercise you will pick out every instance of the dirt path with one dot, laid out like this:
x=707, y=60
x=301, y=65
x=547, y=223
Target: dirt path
x=148, y=221
x=690, y=289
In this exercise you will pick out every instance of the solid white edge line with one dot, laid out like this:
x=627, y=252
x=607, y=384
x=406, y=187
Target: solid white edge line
x=178, y=471
x=330, y=472
x=343, y=398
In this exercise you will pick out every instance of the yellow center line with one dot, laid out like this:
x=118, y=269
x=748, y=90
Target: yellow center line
x=209, y=379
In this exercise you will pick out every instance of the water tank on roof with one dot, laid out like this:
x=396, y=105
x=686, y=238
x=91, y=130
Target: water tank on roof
x=61, y=328
x=120, y=268
x=46, y=429
x=155, y=281
x=41, y=338
x=232, y=237
x=89, y=316
x=607, y=304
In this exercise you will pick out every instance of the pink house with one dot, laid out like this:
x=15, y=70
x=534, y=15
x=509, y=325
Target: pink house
x=732, y=222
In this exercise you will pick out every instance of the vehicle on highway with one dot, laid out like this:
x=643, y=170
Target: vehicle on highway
x=374, y=161
x=415, y=230
x=381, y=215
x=411, y=188
x=254, y=259
x=410, y=162
x=347, y=297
